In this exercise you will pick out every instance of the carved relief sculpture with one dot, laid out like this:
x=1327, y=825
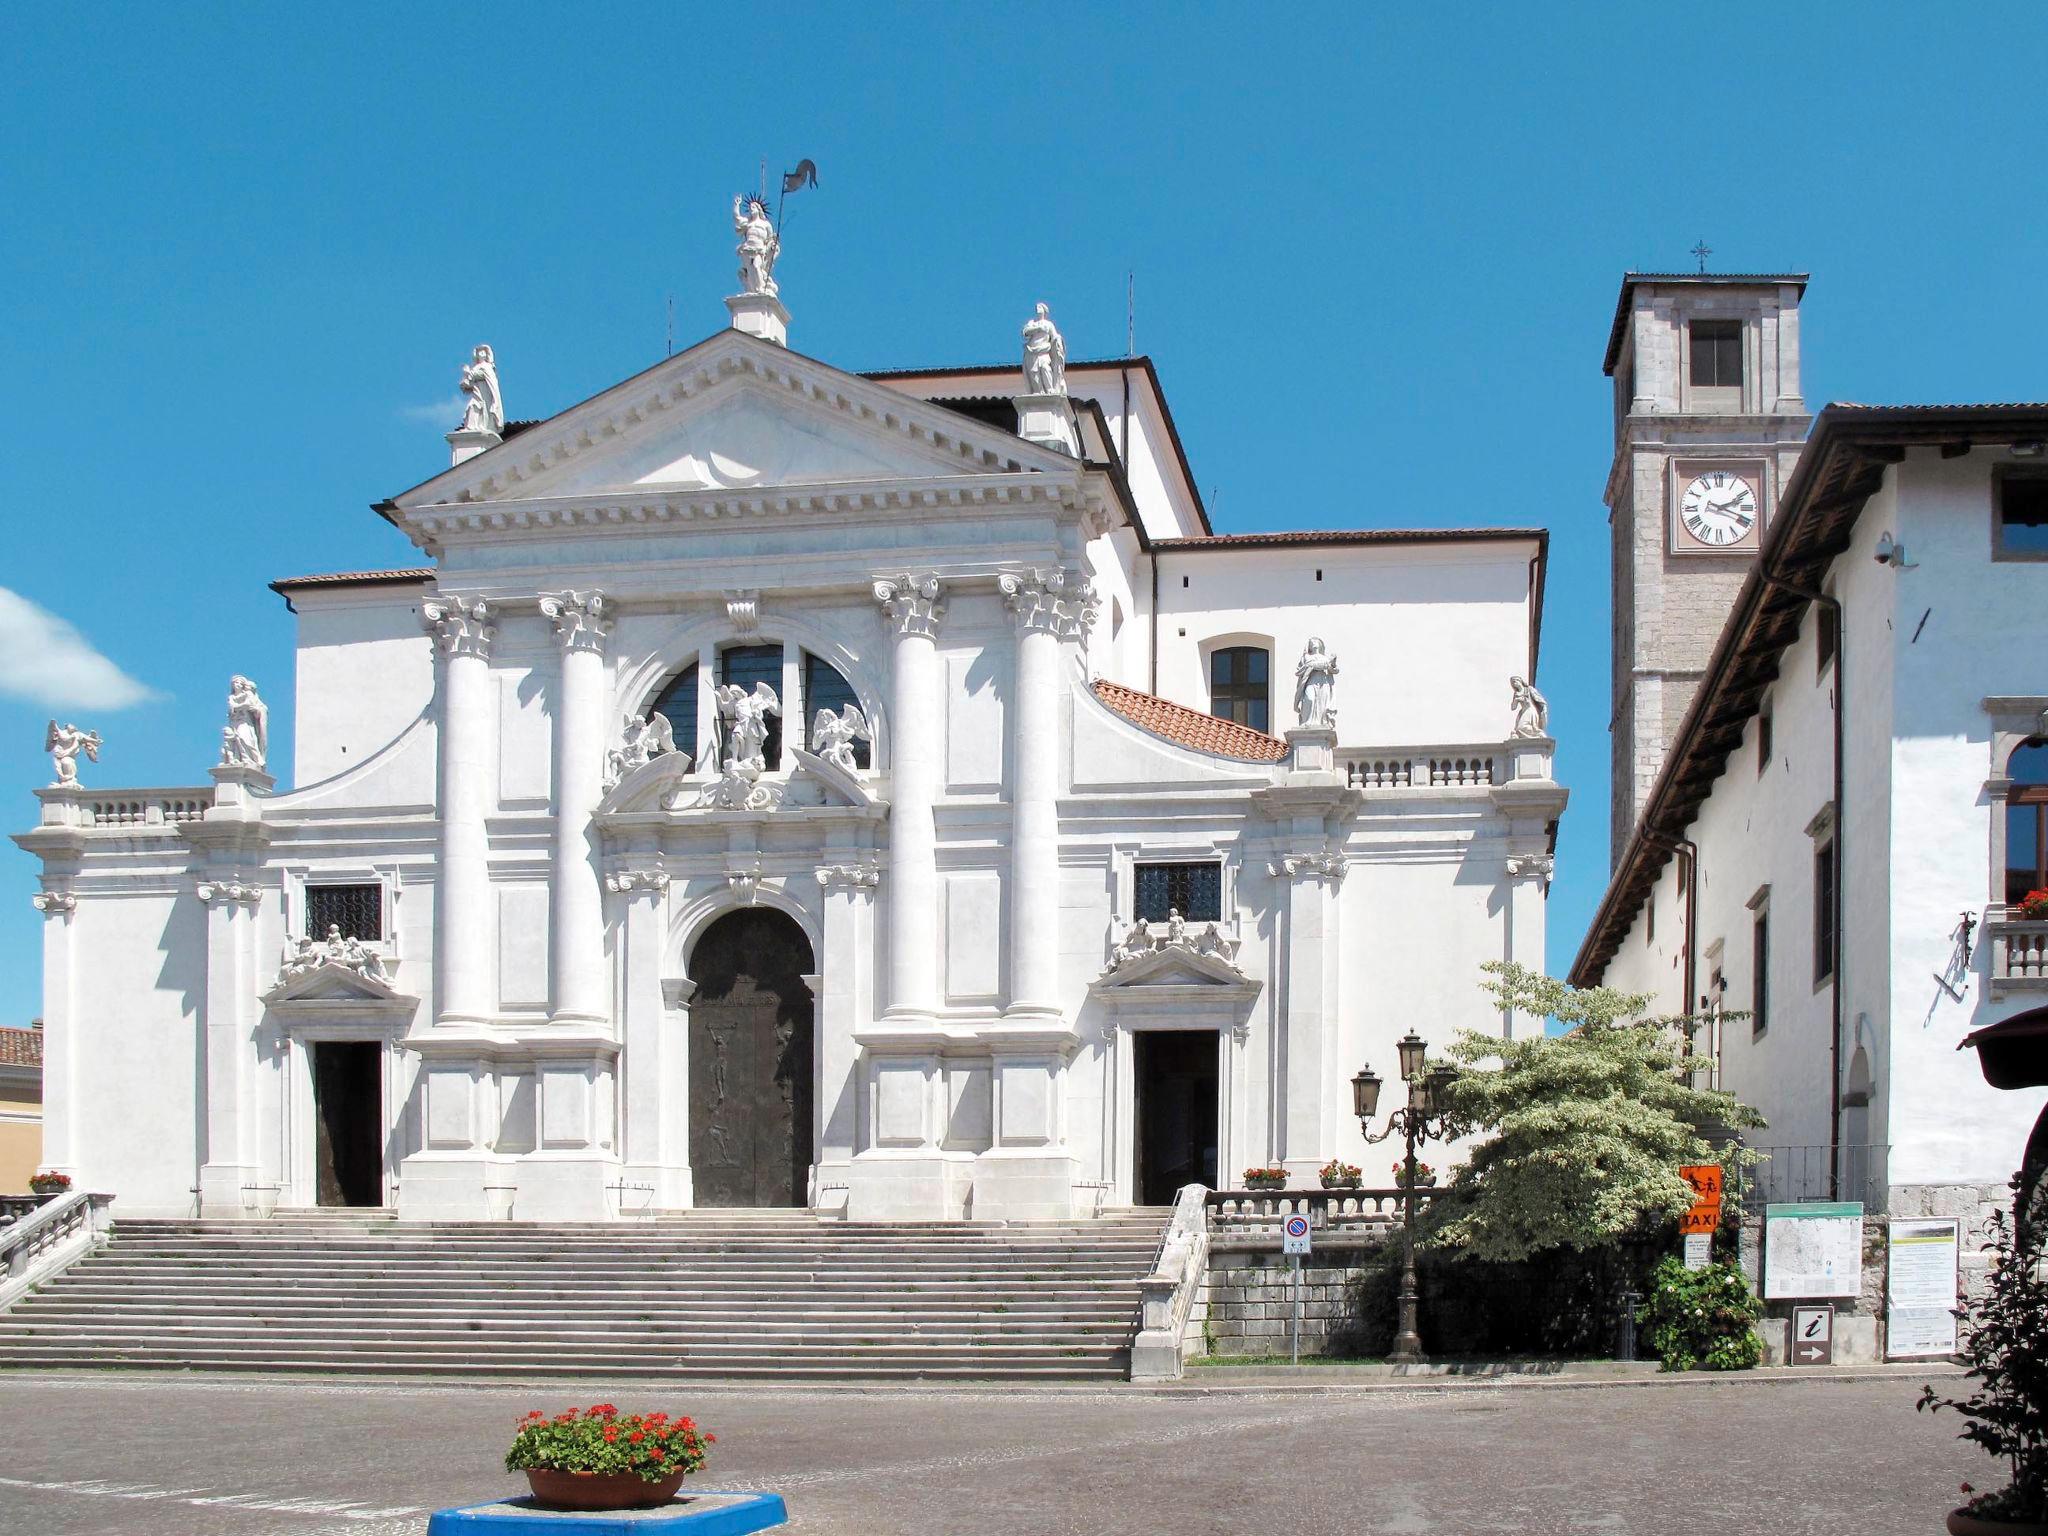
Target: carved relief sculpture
x=485, y=409
x=1141, y=941
x=350, y=954
x=1532, y=710
x=1045, y=356
x=759, y=245
x=64, y=743
x=245, y=740
x=1315, y=687
x=833, y=735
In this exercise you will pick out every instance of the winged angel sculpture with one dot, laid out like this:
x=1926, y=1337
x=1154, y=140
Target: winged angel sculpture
x=746, y=716
x=64, y=743
x=833, y=735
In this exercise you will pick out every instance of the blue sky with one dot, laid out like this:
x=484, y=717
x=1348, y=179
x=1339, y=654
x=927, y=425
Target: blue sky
x=1376, y=254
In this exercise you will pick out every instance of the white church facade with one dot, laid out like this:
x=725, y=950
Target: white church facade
x=778, y=786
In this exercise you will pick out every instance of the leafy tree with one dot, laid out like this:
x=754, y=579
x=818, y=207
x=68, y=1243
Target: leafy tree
x=1587, y=1129
x=2007, y=1347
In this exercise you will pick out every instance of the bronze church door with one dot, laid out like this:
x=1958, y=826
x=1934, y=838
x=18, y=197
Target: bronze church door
x=751, y=1062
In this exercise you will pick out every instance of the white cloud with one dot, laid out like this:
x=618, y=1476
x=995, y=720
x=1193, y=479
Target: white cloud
x=45, y=660
x=445, y=414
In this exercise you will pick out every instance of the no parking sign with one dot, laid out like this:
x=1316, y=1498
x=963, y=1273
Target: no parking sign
x=1294, y=1235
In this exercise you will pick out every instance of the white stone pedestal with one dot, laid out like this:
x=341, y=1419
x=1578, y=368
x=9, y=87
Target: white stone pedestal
x=463, y=446
x=760, y=314
x=1312, y=749
x=1049, y=419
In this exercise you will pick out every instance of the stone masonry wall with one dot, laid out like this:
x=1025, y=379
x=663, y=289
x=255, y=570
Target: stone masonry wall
x=1246, y=1304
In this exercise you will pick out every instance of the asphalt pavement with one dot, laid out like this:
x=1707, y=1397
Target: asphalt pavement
x=112, y=1454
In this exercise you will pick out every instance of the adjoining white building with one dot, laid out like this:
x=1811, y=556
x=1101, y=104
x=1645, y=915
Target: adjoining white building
x=883, y=794
x=1854, y=804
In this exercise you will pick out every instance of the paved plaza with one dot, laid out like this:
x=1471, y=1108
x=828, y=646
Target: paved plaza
x=111, y=1455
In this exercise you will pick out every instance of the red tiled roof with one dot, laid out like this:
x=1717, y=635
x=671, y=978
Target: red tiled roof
x=353, y=579
x=1186, y=727
x=21, y=1047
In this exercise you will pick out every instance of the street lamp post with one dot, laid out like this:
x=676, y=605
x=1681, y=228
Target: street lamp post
x=1423, y=1117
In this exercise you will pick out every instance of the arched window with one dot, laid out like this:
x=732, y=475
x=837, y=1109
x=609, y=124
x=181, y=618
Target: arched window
x=1238, y=685
x=824, y=688
x=2026, y=820
x=745, y=665
x=677, y=703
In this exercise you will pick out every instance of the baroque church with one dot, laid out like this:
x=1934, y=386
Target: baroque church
x=882, y=794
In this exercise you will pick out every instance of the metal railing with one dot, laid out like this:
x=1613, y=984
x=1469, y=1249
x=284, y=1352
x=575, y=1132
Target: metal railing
x=1791, y=1174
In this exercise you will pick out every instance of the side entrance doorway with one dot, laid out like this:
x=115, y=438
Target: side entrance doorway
x=1176, y=1119
x=751, y=1062
x=348, y=1122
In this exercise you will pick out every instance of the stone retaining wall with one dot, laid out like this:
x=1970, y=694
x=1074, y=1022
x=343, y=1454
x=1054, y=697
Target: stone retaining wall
x=1246, y=1303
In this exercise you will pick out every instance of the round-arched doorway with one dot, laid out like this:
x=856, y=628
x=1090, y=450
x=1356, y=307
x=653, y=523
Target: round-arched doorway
x=751, y=1058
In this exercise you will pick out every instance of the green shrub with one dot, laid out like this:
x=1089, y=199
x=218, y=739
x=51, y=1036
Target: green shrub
x=1702, y=1318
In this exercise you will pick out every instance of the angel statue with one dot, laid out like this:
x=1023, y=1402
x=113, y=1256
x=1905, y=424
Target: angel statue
x=64, y=743
x=245, y=740
x=1315, y=687
x=746, y=716
x=644, y=738
x=1532, y=710
x=485, y=411
x=833, y=735
x=759, y=245
x=1045, y=356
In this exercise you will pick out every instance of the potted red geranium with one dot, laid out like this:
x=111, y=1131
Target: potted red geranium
x=1265, y=1178
x=1338, y=1174
x=1425, y=1175
x=2032, y=907
x=48, y=1183
x=597, y=1459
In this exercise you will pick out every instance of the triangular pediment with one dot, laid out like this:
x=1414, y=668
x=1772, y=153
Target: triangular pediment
x=735, y=413
x=1175, y=967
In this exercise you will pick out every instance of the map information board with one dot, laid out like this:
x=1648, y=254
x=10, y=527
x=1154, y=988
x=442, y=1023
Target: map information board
x=1813, y=1249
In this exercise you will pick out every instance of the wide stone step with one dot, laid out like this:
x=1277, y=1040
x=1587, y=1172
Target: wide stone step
x=67, y=1302
x=978, y=1366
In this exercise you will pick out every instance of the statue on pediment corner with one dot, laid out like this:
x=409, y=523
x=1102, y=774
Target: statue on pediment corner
x=64, y=743
x=485, y=410
x=759, y=245
x=1532, y=710
x=1315, y=686
x=245, y=739
x=644, y=738
x=1045, y=355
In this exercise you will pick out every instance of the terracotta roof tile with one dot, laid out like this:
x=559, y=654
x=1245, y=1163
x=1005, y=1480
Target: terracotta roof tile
x=21, y=1047
x=1191, y=728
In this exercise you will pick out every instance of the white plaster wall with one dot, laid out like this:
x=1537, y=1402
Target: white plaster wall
x=1426, y=635
x=365, y=672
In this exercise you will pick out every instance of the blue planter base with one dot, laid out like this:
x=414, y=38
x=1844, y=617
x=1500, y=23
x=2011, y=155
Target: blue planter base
x=703, y=1513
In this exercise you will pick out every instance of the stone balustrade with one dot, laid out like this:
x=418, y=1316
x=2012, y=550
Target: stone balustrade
x=1256, y=1212
x=38, y=1247
x=1473, y=765
x=125, y=809
x=2019, y=956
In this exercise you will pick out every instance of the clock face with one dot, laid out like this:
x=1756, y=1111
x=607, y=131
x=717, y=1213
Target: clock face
x=1718, y=508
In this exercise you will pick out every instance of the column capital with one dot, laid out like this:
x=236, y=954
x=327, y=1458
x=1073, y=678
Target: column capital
x=1051, y=601
x=913, y=603
x=1325, y=864
x=55, y=903
x=461, y=628
x=864, y=876
x=637, y=882
x=1530, y=866
x=230, y=891
x=579, y=618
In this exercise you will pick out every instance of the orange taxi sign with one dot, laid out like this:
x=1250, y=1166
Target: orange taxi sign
x=1705, y=1212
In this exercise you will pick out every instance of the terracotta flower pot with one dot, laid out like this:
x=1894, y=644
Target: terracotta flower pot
x=599, y=1490
x=1962, y=1523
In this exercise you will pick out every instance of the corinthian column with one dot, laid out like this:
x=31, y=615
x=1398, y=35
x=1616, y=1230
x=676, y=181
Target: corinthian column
x=462, y=977
x=1036, y=601
x=914, y=607
x=577, y=990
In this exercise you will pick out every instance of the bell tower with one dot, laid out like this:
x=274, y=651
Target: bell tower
x=1708, y=423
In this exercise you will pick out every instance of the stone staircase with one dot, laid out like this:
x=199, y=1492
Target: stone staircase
x=713, y=1295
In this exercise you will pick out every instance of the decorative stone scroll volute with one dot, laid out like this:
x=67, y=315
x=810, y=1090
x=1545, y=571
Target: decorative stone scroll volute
x=581, y=619
x=1323, y=864
x=54, y=903
x=864, y=876
x=637, y=882
x=914, y=604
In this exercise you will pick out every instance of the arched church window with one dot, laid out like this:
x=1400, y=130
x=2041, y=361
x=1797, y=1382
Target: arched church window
x=1238, y=685
x=824, y=689
x=678, y=704
x=743, y=666
x=2026, y=820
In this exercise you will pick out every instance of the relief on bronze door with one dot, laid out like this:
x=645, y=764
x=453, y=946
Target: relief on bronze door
x=750, y=1062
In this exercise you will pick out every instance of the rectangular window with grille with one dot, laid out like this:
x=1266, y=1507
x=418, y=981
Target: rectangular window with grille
x=1824, y=877
x=357, y=910
x=1195, y=891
